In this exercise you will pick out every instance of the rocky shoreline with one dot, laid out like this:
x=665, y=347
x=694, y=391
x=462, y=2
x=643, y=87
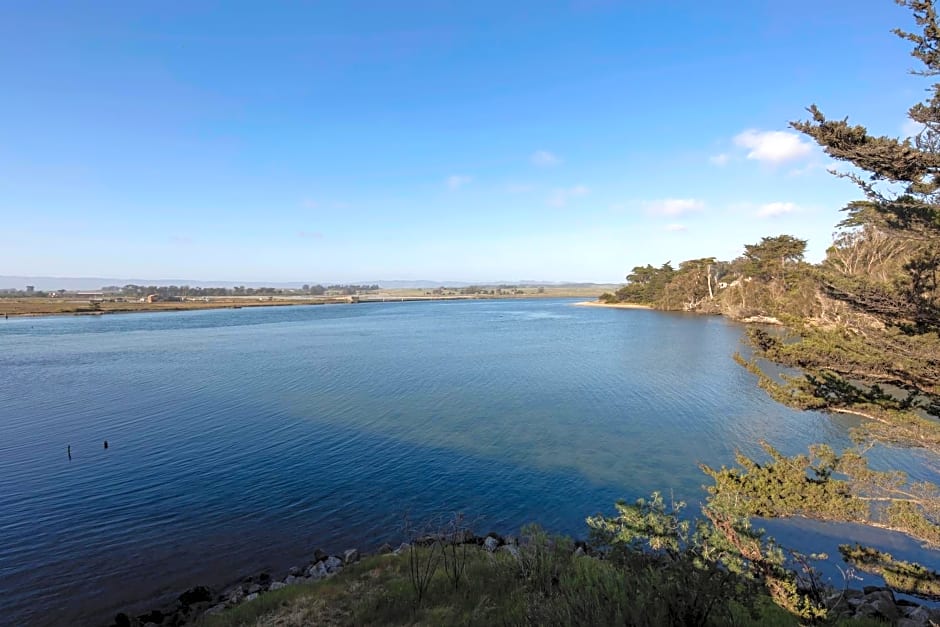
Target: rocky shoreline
x=201, y=600
x=872, y=602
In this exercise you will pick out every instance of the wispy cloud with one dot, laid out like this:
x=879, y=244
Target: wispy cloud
x=674, y=206
x=720, y=159
x=774, y=209
x=773, y=146
x=676, y=228
x=309, y=234
x=561, y=197
x=456, y=181
x=545, y=158
x=181, y=240
x=309, y=203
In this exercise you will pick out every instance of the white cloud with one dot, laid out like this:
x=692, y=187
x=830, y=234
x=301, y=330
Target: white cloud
x=910, y=128
x=773, y=209
x=309, y=203
x=675, y=206
x=720, y=159
x=560, y=197
x=456, y=181
x=544, y=158
x=309, y=234
x=773, y=146
x=675, y=228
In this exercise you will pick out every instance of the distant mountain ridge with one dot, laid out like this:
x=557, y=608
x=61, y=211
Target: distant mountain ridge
x=44, y=283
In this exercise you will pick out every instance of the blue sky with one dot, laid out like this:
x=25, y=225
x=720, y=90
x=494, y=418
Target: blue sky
x=351, y=140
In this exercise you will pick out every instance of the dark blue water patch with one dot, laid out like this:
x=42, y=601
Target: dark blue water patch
x=241, y=439
x=335, y=489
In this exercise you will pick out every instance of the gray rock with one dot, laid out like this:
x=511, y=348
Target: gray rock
x=216, y=609
x=385, y=549
x=579, y=552
x=351, y=556
x=253, y=589
x=294, y=570
x=512, y=540
x=277, y=585
x=427, y=540
x=333, y=564
x=317, y=571
x=885, y=595
x=199, y=594
x=883, y=602
x=512, y=549
x=319, y=556
x=918, y=615
x=235, y=595
x=291, y=580
x=463, y=536
x=866, y=610
x=887, y=609
x=909, y=622
x=251, y=597
x=402, y=548
x=838, y=605
x=491, y=544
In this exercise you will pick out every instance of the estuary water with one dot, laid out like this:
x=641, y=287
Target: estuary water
x=239, y=440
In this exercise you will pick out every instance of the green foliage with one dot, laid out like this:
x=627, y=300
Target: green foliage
x=770, y=259
x=646, y=284
x=797, y=486
x=827, y=486
x=882, y=274
x=718, y=556
x=900, y=576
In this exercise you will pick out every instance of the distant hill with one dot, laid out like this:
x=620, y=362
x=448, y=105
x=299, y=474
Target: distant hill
x=45, y=283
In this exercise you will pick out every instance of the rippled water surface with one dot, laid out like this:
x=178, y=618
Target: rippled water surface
x=242, y=439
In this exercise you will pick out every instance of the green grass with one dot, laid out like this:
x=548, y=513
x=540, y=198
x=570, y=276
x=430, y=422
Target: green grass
x=493, y=591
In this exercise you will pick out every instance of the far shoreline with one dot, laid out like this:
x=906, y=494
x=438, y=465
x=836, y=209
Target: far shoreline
x=40, y=307
x=597, y=303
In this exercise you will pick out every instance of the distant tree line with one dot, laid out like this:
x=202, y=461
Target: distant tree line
x=769, y=278
x=186, y=291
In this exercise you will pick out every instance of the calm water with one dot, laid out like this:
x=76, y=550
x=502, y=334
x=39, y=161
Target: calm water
x=243, y=439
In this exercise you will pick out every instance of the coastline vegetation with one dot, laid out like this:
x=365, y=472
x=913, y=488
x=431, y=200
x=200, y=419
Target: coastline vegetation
x=645, y=566
x=860, y=333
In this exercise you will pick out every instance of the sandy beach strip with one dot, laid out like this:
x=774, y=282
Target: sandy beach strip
x=596, y=303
